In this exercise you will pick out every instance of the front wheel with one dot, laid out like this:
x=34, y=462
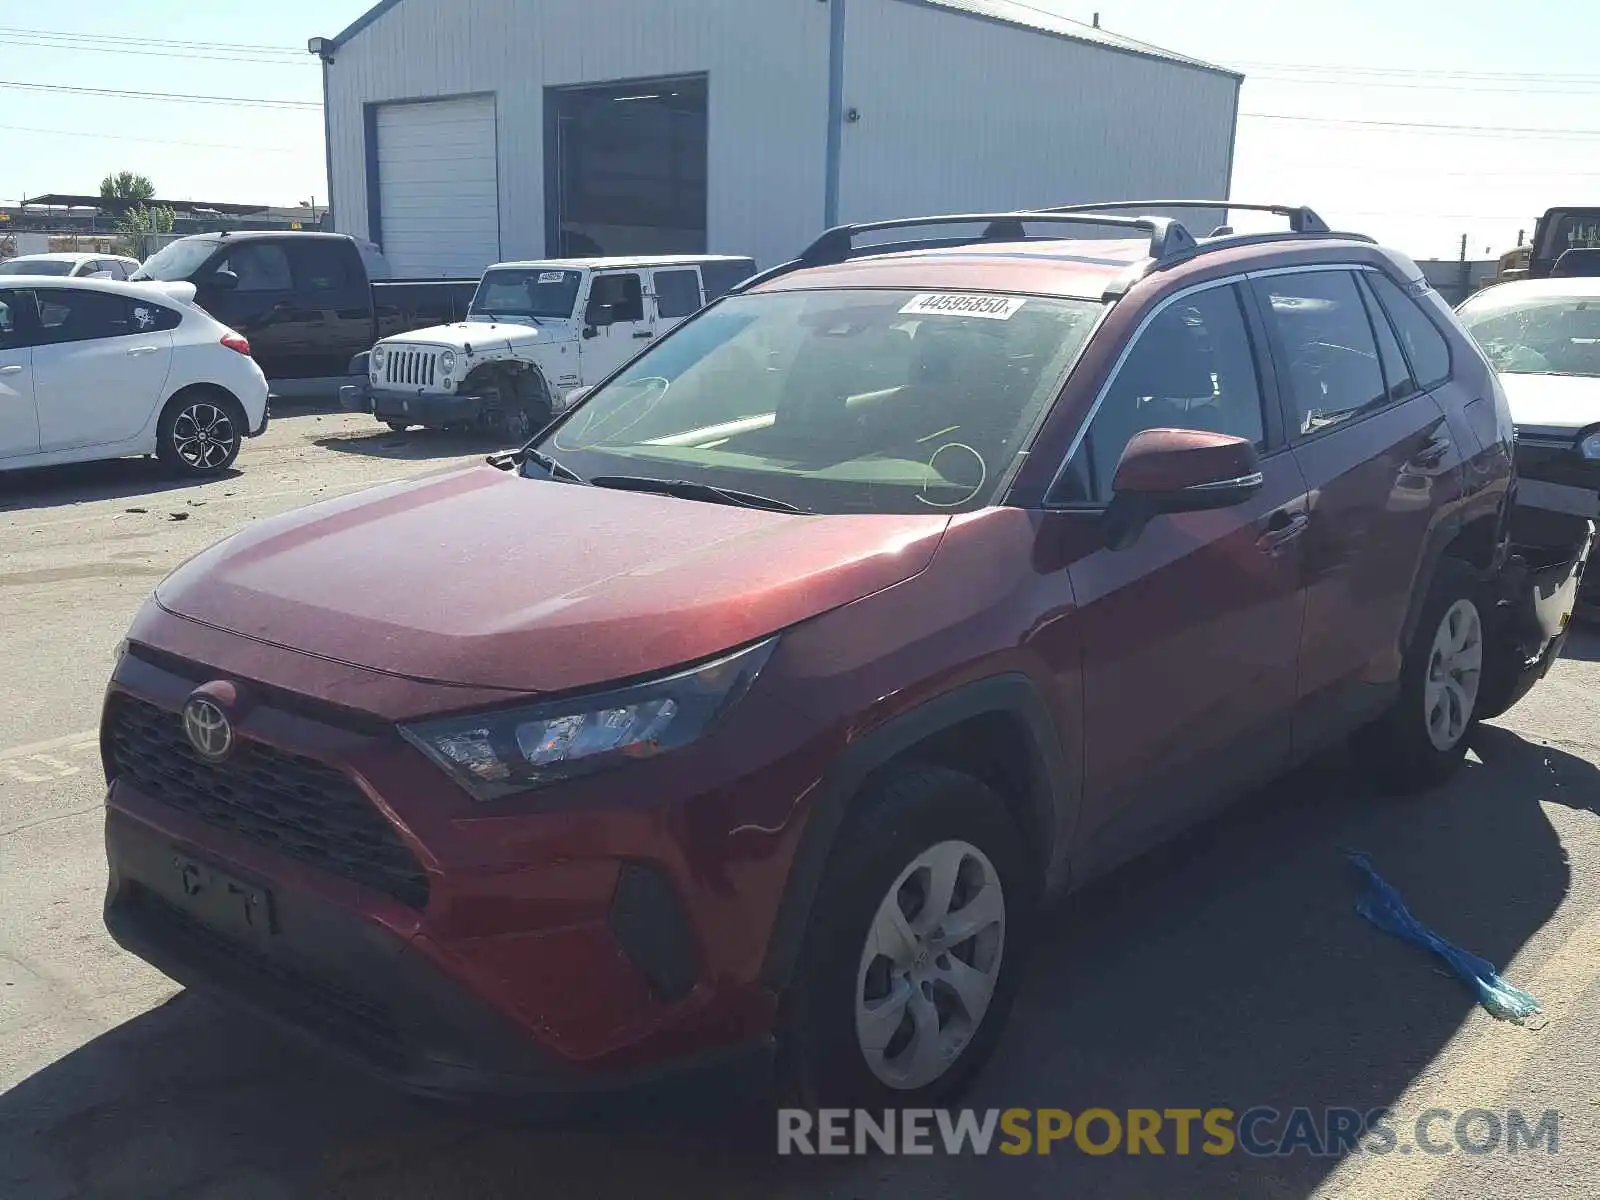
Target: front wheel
x=200, y=433
x=1422, y=739
x=910, y=963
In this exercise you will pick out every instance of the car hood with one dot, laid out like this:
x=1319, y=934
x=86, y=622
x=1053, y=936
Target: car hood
x=484, y=578
x=481, y=335
x=1553, y=404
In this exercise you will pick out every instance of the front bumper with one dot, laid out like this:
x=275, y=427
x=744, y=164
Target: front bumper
x=411, y=407
x=1558, y=497
x=570, y=951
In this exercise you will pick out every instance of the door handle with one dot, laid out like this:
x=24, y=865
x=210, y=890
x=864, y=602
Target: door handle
x=1432, y=454
x=643, y=335
x=1283, y=530
x=136, y=351
x=13, y=369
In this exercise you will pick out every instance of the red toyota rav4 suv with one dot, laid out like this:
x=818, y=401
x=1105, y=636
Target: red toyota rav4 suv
x=757, y=703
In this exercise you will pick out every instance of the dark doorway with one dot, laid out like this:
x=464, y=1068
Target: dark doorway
x=626, y=168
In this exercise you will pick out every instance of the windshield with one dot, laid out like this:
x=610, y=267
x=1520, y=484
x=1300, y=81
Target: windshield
x=837, y=401
x=179, y=260
x=37, y=266
x=1537, y=335
x=527, y=292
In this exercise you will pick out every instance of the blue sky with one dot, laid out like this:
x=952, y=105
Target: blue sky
x=1405, y=62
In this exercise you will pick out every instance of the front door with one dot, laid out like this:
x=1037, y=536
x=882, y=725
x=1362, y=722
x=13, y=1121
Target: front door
x=98, y=373
x=617, y=323
x=1184, y=643
x=1378, y=455
x=262, y=305
x=19, y=425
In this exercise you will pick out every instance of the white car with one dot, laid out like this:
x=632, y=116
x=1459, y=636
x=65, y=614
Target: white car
x=73, y=266
x=92, y=368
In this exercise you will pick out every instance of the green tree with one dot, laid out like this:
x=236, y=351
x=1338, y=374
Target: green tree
x=138, y=222
x=127, y=185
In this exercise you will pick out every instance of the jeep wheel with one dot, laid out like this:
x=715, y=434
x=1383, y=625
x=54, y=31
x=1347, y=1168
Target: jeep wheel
x=1421, y=740
x=910, y=962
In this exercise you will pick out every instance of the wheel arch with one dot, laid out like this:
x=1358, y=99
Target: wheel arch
x=997, y=729
x=1478, y=540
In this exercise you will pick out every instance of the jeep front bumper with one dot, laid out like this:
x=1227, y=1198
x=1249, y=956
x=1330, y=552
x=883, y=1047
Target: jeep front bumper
x=411, y=407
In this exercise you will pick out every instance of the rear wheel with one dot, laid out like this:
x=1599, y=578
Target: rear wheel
x=200, y=432
x=1421, y=740
x=911, y=959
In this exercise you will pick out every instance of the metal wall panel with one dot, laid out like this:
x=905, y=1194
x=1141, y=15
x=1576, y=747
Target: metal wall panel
x=958, y=113
x=767, y=62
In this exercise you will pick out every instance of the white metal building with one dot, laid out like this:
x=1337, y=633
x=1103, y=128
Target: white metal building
x=461, y=132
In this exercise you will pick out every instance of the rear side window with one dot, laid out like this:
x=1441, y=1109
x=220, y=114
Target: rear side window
x=1425, y=345
x=1331, y=357
x=677, y=293
x=70, y=315
x=260, y=266
x=12, y=334
x=1193, y=367
x=1395, y=368
x=320, y=266
x=145, y=316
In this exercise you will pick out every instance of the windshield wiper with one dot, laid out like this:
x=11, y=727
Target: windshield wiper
x=688, y=489
x=508, y=460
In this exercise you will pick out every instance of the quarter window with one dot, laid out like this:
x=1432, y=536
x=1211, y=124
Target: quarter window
x=1332, y=359
x=1396, y=371
x=677, y=293
x=1425, y=345
x=1193, y=367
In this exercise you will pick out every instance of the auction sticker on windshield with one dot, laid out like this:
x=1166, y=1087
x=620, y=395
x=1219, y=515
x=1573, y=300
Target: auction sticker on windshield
x=552, y=277
x=991, y=308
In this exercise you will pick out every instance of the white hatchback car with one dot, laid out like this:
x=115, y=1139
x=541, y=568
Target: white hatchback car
x=93, y=368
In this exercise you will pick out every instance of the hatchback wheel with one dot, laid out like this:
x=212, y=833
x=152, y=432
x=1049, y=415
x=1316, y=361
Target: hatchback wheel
x=200, y=433
x=1424, y=735
x=910, y=963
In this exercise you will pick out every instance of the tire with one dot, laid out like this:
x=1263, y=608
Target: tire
x=516, y=405
x=200, y=432
x=1421, y=740
x=852, y=979
x=398, y=426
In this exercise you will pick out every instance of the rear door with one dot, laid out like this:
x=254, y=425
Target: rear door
x=1377, y=454
x=19, y=423
x=98, y=369
x=677, y=294
x=334, y=300
x=1189, y=636
x=617, y=323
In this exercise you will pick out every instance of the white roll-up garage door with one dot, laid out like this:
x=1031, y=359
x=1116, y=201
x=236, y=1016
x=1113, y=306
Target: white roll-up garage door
x=438, y=188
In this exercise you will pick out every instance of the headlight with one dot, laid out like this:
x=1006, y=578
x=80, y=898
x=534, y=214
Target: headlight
x=377, y=356
x=514, y=750
x=1589, y=443
x=447, y=361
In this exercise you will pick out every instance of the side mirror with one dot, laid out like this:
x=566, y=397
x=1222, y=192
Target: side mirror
x=225, y=281
x=597, y=316
x=590, y=333
x=1178, y=470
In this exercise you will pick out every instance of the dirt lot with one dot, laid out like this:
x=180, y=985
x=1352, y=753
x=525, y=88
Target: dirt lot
x=1228, y=970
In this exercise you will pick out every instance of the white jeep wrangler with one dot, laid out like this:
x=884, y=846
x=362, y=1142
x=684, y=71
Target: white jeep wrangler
x=535, y=332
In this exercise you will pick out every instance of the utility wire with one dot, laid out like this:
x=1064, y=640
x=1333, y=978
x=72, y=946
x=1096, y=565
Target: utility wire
x=118, y=137
x=1473, y=130
x=183, y=97
x=152, y=52
x=123, y=39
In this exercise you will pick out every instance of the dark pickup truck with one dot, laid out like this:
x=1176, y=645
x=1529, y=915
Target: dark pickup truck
x=308, y=302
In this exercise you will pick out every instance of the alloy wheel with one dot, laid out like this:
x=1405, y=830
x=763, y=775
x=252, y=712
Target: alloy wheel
x=930, y=965
x=1455, y=669
x=204, y=436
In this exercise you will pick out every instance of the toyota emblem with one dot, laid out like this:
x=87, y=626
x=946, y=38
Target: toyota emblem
x=207, y=728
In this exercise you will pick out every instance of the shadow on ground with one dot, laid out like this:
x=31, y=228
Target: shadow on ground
x=1227, y=969
x=414, y=445
x=58, y=487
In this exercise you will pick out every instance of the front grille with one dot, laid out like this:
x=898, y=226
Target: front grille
x=290, y=805
x=413, y=368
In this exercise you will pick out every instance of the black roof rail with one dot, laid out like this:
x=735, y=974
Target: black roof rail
x=1168, y=238
x=1301, y=218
